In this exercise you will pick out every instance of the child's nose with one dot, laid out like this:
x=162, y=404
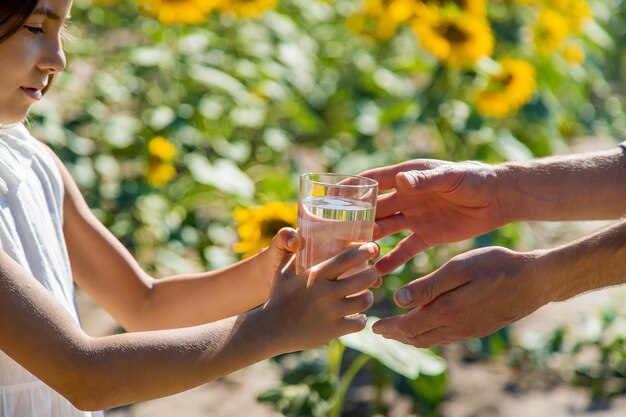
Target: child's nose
x=53, y=60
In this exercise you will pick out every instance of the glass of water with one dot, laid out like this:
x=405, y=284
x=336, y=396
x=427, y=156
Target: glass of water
x=335, y=212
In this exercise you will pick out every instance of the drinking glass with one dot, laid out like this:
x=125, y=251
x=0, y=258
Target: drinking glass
x=335, y=212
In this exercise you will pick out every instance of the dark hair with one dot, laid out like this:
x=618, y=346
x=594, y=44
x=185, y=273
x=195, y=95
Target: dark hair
x=13, y=14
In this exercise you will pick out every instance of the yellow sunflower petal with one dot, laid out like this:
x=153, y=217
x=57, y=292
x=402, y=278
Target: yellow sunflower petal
x=257, y=226
x=160, y=173
x=508, y=90
x=178, y=11
x=162, y=149
x=247, y=8
x=454, y=37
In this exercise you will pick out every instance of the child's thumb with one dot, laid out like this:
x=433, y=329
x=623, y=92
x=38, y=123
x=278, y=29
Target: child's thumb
x=282, y=248
x=286, y=240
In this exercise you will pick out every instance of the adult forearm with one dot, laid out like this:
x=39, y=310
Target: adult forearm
x=589, y=186
x=127, y=368
x=590, y=263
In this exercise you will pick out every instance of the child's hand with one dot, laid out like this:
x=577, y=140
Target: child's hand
x=309, y=309
x=283, y=246
x=285, y=243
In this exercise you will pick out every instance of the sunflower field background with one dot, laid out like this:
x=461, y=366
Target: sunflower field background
x=187, y=123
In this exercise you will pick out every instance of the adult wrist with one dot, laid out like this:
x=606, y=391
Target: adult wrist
x=544, y=268
x=507, y=181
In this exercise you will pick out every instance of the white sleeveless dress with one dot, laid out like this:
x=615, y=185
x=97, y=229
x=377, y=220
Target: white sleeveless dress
x=31, y=232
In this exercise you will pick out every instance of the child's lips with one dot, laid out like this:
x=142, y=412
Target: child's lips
x=34, y=93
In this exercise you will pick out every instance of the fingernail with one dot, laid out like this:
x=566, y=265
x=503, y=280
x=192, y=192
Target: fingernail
x=379, y=282
x=372, y=246
x=410, y=178
x=292, y=241
x=403, y=296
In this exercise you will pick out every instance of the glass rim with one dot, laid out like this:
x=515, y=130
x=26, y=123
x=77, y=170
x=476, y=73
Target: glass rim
x=369, y=182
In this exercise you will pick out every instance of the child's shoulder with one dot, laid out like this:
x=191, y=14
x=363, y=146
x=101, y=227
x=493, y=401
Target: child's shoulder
x=21, y=153
x=16, y=134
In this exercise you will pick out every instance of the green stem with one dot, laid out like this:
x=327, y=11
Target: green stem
x=345, y=382
x=335, y=355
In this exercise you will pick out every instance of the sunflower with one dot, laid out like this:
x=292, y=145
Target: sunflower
x=258, y=225
x=457, y=38
x=160, y=173
x=247, y=8
x=161, y=153
x=178, y=11
x=473, y=7
x=161, y=148
x=551, y=30
x=507, y=90
x=574, y=53
x=381, y=18
x=576, y=12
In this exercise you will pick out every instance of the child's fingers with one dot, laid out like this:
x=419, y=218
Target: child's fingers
x=356, y=303
x=341, y=263
x=287, y=265
x=352, y=324
x=357, y=282
x=286, y=240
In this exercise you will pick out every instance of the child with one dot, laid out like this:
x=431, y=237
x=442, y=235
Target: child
x=182, y=331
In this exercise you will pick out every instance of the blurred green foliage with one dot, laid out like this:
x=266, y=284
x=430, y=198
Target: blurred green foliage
x=589, y=353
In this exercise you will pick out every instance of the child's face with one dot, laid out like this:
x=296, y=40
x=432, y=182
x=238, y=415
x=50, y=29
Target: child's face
x=30, y=57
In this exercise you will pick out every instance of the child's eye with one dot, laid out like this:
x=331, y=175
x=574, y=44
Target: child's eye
x=34, y=29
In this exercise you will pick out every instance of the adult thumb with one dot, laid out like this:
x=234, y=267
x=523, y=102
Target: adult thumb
x=424, y=290
x=425, y=180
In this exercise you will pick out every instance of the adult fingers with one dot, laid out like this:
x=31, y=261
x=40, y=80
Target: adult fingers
x=413, y=323
x=391, y=327
x=390, y=225
x=335, y=266
x=425, y=290
x=435, y=337
x=386, y=175
x=386, y=205
x=402, y=253
x=434, y=180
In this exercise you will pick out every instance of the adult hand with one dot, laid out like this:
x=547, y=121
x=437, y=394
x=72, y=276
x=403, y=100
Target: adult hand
x=439, y=201
x=472, y=295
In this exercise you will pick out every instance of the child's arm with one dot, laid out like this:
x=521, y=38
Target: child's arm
x=96, y=373
x=104, y=268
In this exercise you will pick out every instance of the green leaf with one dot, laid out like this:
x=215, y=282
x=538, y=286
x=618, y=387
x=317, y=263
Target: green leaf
x=406, y=360
x=223, y=175
x=212, y=77
x=511, y=148
x=598, y=35
x=150, y=56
